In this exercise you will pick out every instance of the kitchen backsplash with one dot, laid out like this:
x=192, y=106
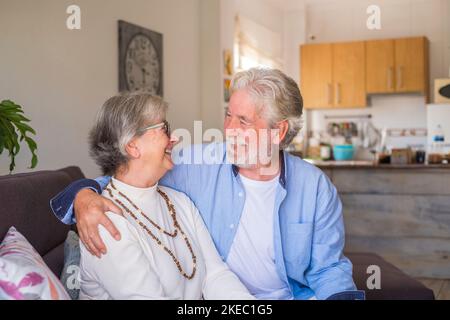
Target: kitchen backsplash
x=403, y=116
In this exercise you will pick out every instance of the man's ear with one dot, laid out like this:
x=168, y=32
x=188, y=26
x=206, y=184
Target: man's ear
x=280, y=134
x=132, y=149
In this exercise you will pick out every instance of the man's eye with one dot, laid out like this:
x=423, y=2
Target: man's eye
x=228, y=115
x=245, y=123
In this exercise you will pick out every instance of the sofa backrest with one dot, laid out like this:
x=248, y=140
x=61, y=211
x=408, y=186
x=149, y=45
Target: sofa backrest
x=24, y=204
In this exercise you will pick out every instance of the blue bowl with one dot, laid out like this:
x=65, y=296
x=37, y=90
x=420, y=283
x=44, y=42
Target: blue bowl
x=343, y=152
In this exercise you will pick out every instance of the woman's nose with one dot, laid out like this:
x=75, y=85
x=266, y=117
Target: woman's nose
x=174, y=140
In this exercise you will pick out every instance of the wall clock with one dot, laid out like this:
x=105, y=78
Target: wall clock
x=140, y=59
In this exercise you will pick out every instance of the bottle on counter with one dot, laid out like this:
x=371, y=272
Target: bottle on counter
x=314, y=147
x=325, y=152
x=437, y=148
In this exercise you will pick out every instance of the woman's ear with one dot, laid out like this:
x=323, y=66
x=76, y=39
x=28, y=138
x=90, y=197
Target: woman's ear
x=132, y=149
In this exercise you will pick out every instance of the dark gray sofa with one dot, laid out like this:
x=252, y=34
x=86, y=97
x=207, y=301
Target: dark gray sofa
x=24, y=203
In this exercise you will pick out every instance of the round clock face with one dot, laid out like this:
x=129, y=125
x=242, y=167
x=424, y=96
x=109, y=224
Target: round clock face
x=142, y=65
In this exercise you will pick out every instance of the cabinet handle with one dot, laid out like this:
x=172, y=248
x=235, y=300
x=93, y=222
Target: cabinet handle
x=400, y=77
x=338, y=93
x=330, y=94
x=390, y=78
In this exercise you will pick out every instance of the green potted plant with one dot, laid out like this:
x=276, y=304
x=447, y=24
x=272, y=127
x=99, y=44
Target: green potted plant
x=13, y=130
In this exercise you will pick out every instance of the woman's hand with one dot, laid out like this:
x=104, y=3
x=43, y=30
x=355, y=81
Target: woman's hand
x=90, y=209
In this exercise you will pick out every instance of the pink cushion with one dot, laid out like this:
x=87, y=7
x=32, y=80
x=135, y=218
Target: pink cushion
x=24, y=274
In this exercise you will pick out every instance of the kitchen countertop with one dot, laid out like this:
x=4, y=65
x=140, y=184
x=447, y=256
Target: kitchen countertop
x=362, y=164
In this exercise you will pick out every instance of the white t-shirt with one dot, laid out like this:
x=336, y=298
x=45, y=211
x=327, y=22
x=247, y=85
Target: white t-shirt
x=252, y=254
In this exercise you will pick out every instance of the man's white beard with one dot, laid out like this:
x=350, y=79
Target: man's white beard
x=247, y=152
x=241, y=153
x=238, y=153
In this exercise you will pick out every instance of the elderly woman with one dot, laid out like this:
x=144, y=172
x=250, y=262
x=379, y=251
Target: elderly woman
x=165, y=251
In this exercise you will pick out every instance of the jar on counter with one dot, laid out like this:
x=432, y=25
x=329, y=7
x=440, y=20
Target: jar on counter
x=420, y=156
x=325, y=152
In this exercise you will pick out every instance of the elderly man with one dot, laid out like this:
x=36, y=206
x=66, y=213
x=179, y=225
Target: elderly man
x=278, y=223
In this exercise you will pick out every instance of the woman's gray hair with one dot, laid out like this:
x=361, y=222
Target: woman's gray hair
x=119, y=120
x=276, y=95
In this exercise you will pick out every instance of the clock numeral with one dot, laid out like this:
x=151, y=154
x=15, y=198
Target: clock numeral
x=143, y=43
x=129, y=66
x=131, y=53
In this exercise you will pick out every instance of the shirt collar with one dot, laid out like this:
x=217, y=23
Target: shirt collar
x=282, y=171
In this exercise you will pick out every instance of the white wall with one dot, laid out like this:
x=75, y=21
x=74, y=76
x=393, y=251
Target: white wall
x=62, y=77
x=345, y=20
x=294, y=35
x=211, y=65
x=262, y=12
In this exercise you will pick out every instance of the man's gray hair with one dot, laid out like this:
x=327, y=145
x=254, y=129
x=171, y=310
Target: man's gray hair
x=119, y=120
x=276, y=95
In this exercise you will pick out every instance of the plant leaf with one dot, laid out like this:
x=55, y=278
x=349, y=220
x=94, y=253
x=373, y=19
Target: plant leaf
x=11, y=134
x=11, y=121
x=31, y=144
x=9, y=103
x=8, y=109
x=23, y=128
x=34, y=161
x=2, y=139
x=17, y=118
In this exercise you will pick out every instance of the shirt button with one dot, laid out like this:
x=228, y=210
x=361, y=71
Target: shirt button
x=240, y=194
x=232, y=226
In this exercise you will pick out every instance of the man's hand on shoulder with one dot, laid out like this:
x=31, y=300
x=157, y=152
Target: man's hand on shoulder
x=90, y=212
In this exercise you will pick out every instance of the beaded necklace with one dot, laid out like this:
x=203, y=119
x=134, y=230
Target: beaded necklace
x=173, y=234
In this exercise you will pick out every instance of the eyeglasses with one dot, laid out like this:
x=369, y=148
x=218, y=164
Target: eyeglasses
x=164, y=125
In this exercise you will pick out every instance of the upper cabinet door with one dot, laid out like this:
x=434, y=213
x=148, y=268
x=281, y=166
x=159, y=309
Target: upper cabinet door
x=316, y=75
x=349, y=75
x=411, y=60
x=380, y=66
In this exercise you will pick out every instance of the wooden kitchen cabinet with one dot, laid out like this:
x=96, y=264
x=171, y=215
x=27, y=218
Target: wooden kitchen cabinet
x=316, y=75
x=340, y=75
x=333, y=75
x=397, y=65
x=349, y=75
x=411, y=61
x=380, y=66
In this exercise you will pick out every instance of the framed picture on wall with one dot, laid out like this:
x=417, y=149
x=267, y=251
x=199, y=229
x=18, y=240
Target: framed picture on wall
x=227, y=62
x=226, y=89
x=140, y=59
